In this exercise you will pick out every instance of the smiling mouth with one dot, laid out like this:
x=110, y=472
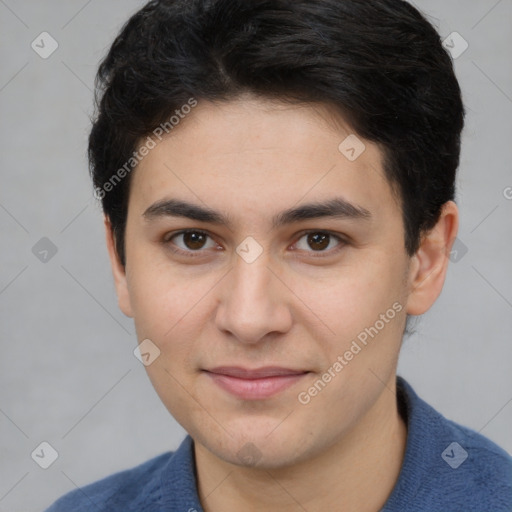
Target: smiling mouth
x=256, y=384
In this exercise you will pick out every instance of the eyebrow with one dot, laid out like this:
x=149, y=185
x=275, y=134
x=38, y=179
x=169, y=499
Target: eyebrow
x=336, y=208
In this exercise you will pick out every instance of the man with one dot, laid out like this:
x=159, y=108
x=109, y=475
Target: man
x=278, y=179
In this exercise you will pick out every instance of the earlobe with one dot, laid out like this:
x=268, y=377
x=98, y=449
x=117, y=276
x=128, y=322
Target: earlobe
x=430, y=263
x=118, y=271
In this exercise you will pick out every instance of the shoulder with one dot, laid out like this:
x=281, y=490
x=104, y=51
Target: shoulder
x=450, y=466
x=137, y=488
x=477, y=469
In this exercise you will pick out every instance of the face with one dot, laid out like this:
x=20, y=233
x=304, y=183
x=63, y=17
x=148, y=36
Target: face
x=318, y=293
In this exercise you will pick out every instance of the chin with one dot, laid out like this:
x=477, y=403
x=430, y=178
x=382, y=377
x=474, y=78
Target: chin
x=261, y=444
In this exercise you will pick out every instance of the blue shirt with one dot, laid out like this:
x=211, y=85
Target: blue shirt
x=446, y=468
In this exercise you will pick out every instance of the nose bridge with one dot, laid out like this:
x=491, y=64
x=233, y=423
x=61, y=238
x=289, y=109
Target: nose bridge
x=252, y=303
x=251, y=276
x=251, y=280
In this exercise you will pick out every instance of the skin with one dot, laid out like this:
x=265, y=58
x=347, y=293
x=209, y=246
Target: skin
x=294, y=306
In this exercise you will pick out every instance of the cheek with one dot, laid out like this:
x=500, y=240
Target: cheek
x=351, y=297
x=172, y=309
x=365, y=315
x=160, y=294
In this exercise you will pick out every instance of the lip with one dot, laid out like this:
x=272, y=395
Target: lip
x=254, y=384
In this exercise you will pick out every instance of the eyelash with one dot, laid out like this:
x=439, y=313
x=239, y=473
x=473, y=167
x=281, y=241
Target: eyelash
x=198, y=253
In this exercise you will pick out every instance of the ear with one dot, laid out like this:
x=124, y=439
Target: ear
x=428, y=267
x=118, y=271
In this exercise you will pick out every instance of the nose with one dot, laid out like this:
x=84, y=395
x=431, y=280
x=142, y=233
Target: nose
x=254, y=302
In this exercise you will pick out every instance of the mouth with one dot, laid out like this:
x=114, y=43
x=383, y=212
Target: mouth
x=254, y=384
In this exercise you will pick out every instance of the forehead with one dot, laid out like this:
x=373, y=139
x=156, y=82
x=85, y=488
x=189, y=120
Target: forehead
x=258, y=157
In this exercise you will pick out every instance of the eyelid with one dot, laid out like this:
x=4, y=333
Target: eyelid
x=340, y=238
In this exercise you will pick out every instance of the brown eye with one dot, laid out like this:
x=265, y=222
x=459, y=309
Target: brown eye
x=319, y=241
x=194, y=240
x=191, y=241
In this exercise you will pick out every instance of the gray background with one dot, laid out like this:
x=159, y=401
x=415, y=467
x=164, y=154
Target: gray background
x=68, y=374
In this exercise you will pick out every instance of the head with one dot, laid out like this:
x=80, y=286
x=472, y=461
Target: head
x=310, y=149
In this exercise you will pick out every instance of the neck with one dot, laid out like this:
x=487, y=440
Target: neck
x=357, y=473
